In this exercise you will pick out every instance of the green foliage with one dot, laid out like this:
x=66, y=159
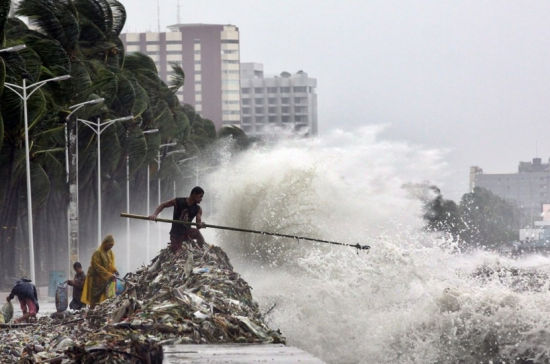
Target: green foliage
x=236, y=134
x=81, y=38
x=4, y=12
x=482, y=219
x=178, y=78
x=490, y=219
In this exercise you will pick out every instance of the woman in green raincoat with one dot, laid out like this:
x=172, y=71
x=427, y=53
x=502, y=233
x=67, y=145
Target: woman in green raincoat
x=101, y=273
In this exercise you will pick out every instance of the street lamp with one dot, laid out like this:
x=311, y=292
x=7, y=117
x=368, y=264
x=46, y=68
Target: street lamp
x=21, y=91
x=71, y=165
x=98, y=128
x=148, y=241
x=15, y=48
x=171, y=153
x=196, y=167
x=158, y=181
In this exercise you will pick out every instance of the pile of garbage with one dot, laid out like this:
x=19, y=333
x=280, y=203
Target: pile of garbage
x=191, y=296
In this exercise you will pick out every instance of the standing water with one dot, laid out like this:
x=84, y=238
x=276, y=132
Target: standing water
x=412, y=298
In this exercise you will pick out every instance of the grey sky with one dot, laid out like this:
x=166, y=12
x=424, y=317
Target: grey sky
x=470, y=77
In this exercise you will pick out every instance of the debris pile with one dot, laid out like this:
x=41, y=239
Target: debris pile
x=192, y=296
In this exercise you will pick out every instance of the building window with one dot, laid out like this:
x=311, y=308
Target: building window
x=260, y=119
x=272, y=89
x=132, y=37
x=300, y=100
x=246, y=120
x=285, y=119
x=173, y=47
x=285, y=100
x=246, y=101
x=246, y=110
x=272, y=101
x=272, y=110
x=285, y=89
x=259, y=101
x=259, y=110
x=258, y=90
x=272, y=119
x=173, y=57
x=285, y=109
x=300, y=89
x=245, y=90
x=300, y=109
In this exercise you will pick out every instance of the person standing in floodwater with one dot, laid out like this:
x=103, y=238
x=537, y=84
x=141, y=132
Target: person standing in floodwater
x=185, y=209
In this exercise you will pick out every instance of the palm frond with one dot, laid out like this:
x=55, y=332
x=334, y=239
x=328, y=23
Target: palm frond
x=57, y=19
x=4, y=12
x=177, y=80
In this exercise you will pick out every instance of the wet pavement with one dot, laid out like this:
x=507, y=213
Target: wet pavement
x=47, y=304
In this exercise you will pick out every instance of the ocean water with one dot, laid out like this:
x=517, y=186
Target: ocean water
x=413, y=298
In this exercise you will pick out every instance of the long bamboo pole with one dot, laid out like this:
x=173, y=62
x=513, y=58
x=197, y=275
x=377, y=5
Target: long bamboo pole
x=141, y=217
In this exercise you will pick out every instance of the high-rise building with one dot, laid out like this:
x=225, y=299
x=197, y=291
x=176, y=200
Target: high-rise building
x=529, y=189
x=287, y=101
x=210, y=57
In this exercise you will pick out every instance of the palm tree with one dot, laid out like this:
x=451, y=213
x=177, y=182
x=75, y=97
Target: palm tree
x=81, y=38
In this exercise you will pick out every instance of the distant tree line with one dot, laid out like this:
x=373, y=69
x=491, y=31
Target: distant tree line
x=480, y=220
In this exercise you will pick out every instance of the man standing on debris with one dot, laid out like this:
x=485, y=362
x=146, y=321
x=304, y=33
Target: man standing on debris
x=101, y=274
x=77, y=283
x=185, y=209
x=28, y=299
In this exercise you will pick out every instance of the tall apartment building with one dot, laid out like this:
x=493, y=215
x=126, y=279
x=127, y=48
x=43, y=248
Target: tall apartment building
x=286, y=101
x=210, y=57
x=529, y=189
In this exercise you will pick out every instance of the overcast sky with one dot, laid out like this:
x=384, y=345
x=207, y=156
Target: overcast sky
x=468, y=77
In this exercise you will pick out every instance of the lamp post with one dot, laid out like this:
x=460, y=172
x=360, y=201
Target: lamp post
x=151, y=131
x=25, y=92
x=15, y=48
x=158, y=182
x=71, y=166
x=98, y=128
x=148, y=204
x=196, y=167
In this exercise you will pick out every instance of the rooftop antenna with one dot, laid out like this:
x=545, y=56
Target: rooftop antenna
x=179, y=15
x=158, y=16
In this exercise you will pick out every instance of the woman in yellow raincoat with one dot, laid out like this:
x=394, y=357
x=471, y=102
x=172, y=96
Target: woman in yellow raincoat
x=100, y=274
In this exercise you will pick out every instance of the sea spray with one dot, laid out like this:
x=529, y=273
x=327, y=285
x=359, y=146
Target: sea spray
x=412, y=298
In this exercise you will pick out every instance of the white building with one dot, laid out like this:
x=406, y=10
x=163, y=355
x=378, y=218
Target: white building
x=268, y=104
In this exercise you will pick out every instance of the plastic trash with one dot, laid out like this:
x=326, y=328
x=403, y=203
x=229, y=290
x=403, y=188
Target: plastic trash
x=7, y=311
x=61, y=297
x=201, y=270
x=119, y=287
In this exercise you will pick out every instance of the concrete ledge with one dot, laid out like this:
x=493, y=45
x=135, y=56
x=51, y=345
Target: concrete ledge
x=237, y=353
